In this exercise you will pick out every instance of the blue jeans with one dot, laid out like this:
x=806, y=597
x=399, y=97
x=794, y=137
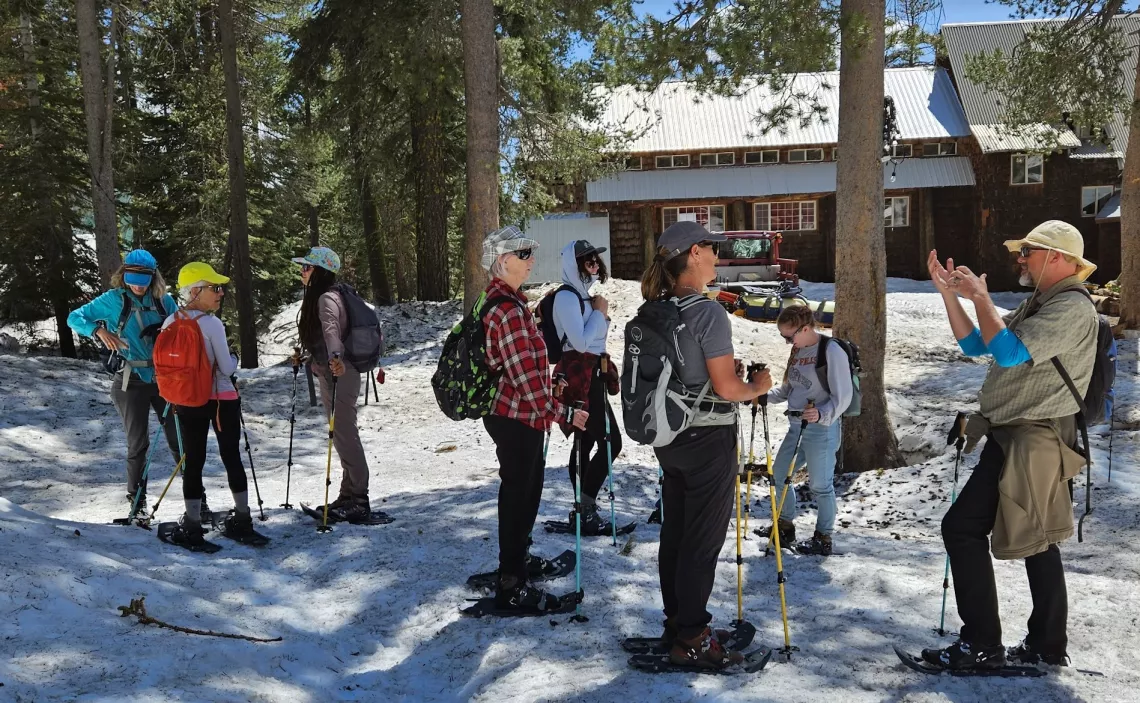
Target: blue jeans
x=817, y=450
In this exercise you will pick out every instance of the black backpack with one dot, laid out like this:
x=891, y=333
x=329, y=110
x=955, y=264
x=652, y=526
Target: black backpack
x=465, y=387
x=656, y=406
x=851, y=349
x=364, y=340
x=546, y=322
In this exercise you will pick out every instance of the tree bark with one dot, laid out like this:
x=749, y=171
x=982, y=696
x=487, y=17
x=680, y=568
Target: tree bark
x=1129, y=225
x=433, y=199
x=98, y=108
x=314, y=213
x=860, y=280
x=239, y=215
x=481, y=81
x=378, y=272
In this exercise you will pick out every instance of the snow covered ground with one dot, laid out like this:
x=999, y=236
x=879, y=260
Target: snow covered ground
x=371, y=613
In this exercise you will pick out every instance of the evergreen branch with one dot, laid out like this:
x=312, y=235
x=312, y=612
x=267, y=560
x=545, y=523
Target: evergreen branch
x=138, y=609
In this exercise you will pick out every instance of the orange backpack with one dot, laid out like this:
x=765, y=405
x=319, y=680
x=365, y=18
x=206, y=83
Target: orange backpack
x=181, y=366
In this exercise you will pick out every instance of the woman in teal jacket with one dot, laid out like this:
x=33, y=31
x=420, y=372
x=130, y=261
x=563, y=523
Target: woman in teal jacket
x=126, y=320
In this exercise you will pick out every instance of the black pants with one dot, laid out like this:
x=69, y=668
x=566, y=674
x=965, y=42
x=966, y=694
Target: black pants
x=195, y=424
x=700, y=469
x=134, y=406
x=521, y=469
x=965, y=531
x=595, y=470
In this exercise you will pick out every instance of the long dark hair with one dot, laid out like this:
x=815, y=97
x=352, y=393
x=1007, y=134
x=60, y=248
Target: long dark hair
x=603, y=273
x=309, y=323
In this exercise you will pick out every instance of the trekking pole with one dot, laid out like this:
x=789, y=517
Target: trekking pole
x=739, y=624
x=958, y=439
x=324, y=526
x=375, y=390
x=609, y=456
x=249, y=455
x=292, y=421
x=578, y=616
x=145, y=473
x=177, y=467
x=780, y=578
x=787, y=480
x=751, y=450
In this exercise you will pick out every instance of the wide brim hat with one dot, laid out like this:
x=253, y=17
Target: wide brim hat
x=583, y=248
x=1056, y=235
x=504, y=241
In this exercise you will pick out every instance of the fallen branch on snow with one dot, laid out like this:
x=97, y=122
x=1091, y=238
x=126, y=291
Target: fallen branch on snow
x=138, y=608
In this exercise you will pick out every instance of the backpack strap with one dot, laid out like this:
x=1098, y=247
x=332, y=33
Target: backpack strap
x=821, y=362
x=581, y=305
x=126, y=313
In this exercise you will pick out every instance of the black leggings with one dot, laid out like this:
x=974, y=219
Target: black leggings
x=595, y=470
x=194, y=424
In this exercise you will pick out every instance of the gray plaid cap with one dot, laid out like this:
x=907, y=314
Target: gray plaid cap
x=504, y=241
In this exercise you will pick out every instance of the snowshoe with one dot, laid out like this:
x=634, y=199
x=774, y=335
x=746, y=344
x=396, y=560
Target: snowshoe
x=593, y=525
x=239, y=527
x=537, y=569
x=818, y=545
x=963, y=655
x=923, y=665
x=176, y=533
x=753, y=662
x=142, y=506
x=787, y=533
x=1024, y=655
x=522, y=601
x=356, y=517
x=735, y=639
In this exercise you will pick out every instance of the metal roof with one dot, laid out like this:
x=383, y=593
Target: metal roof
x=1111, y=210
x=760, y=181
x=983, y=108
x=676, y=118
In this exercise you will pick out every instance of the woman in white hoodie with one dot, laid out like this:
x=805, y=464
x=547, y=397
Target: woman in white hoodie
x=582, y=323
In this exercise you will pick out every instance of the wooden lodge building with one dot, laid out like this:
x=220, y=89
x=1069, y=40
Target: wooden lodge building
x=957, y=182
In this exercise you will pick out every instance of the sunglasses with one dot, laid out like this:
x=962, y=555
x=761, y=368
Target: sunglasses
x=524, y=254
x=1026, y=250
x=305, y=268
x=790, y=338
x=592, y=261
x=715, y=246
x=219, y=289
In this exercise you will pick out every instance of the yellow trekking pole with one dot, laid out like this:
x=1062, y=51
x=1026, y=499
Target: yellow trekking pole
x=745, y=631
x=324, y=526
x=780, y=578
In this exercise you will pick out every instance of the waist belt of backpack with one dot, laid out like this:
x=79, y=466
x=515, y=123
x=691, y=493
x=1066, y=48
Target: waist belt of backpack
x=712, y=406
x=129, y=366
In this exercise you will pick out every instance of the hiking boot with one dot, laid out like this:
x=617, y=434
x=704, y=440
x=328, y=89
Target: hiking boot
x=963, y=655
x=539, y=568
x=670, y=633
x=787, y=533
x=703, y=652
x=142, y=503
x=818, y=545
x=351, y=513
x=341, y=502
x=186, y=536
x=238, y=526
x=513, y=594
x=1023, y=655
x=593, y=524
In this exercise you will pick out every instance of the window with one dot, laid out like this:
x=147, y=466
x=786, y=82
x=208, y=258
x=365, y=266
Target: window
x=633, y=163
x=745, y=249
x=1026, y=169
x=790, y=216
x=711, y=217
x=940, y=149
x=674, y=161
x=896, y=212
x=725, y=158
x=771, y=156
x=1093, y=198
x=801, y=155
x=902, y=151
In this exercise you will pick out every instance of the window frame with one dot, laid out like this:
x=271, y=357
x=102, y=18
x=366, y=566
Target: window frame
x=1027, y=157
x=640, y=163
x=708, y=219
x=891, y=199
x=672, y=161
x=897, y=147
x=716, y=157
x=805, y=160
x=800, y=205
x=762, y=153
x=1096, y=198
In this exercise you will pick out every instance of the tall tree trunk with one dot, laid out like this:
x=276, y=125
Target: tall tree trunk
x=1130, y=223
x=98, y=107
x=239, y=216
x=860, y=280
x=481, y=82
x=433, y=199
x=377, y=271
x=314, y=213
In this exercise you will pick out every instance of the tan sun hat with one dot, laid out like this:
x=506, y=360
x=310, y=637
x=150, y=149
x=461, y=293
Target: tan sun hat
x=1056, y=235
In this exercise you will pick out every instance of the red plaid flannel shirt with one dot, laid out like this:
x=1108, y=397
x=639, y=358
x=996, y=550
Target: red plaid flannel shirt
x=515, y=346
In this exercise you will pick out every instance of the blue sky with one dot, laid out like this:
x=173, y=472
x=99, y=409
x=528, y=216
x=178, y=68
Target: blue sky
x=953, y=10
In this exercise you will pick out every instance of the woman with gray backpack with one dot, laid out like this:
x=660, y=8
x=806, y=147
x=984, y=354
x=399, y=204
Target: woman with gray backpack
x=335, y=330
x=818, y=392
x=699, y=454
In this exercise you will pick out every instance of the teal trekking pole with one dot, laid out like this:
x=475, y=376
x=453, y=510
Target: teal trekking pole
x=146, y=472
x=957, y=437
x=578, y=616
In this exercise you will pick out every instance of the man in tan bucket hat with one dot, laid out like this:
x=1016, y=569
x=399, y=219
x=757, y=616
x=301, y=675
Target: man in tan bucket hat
x=1016, y=503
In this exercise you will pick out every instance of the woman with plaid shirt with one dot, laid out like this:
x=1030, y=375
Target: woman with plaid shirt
x=525, y=408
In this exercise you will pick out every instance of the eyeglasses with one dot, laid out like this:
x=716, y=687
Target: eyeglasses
x=1026, y=250
x=305, y=268
x=524, y=254
x=715, y=246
